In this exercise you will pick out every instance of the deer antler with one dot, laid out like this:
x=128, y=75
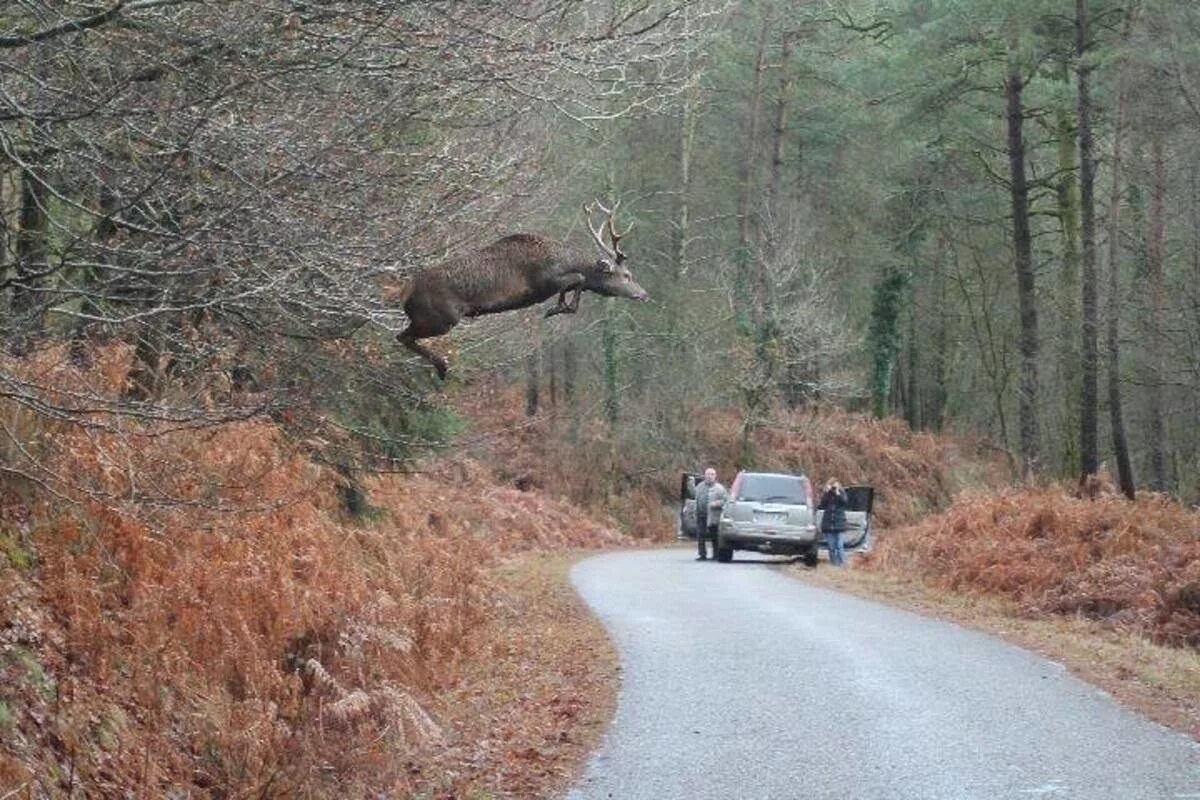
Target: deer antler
x=614, y=252
x=597, y=232
x=616, y=238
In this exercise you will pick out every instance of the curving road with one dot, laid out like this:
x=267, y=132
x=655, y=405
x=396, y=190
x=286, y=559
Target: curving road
x=740, y=682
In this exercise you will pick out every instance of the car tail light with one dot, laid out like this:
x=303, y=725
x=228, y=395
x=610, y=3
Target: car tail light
x=739, y=512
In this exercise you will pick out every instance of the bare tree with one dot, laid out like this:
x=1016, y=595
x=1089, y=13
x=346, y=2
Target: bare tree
x=230, y=192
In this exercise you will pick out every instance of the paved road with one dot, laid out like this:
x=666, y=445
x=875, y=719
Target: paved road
x=740, y=682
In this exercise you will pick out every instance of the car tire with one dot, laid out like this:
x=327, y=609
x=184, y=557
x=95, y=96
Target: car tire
x=724, y=554
x=810, y=558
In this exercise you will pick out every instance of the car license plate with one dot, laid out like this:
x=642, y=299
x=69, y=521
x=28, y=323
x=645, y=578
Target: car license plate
x=776, y=519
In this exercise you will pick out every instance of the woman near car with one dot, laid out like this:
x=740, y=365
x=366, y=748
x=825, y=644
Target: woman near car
x=833, y=521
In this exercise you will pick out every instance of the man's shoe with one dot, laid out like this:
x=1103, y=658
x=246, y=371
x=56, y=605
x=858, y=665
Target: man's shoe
x=702, y=558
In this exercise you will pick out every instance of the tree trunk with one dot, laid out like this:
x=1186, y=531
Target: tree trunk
x=1067, y=363
x=1089, y=391
x=883, y=336
x=533, y=369
x=743, y=295
x=30, y=254
x=608, y=336
x=786, y=80
x=1113, y=338
x=552, y=375
x=687, y=140
x=1193, y=443
x=570, y=370
x=912, y=406
x=687, y=135
x=106, y=209
x=801, y=372
x=1156, y=269
x=1026, y=290
x=936, y=413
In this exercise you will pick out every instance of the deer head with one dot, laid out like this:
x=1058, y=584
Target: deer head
x=611, y=277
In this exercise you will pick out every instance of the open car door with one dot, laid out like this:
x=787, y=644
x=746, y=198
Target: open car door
x=860, y=501
x=687, y=505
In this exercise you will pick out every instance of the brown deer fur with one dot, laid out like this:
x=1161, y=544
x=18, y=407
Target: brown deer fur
x=517, y=271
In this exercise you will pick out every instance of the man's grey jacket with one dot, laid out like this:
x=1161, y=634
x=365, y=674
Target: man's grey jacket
x=709, y=502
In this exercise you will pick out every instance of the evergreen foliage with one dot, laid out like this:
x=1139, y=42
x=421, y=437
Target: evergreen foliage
x=883, y=335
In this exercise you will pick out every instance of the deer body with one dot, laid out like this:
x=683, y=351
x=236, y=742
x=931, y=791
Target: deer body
x=517, y=271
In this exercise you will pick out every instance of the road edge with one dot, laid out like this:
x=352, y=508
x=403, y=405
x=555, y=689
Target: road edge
x=1159, y=683
x=533, y=702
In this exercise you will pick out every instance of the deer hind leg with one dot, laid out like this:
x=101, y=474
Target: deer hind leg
x=426, y=320
x=410, y=340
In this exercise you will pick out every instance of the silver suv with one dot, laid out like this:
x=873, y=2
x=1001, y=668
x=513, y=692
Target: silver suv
x=774, y=513
x=769, y=512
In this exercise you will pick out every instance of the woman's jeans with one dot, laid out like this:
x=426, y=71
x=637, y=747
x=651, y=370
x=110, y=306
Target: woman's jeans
x=837, y=552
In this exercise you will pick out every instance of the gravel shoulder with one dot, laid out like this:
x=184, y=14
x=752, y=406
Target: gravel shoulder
x=741, y=682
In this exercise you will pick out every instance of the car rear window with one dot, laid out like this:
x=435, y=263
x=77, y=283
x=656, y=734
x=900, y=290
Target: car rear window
x=774, y=489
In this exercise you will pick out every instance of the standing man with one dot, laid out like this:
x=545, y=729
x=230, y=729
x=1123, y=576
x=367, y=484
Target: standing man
x=710, y=499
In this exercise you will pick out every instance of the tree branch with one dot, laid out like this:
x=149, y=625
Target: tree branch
x=84, y=23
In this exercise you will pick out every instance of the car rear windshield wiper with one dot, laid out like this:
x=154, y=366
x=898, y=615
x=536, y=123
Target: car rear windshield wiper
x=784, y=497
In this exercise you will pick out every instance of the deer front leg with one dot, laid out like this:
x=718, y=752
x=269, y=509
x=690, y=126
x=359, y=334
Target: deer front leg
x=564, y=307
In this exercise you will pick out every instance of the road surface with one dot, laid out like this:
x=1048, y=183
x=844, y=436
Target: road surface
x=740, y=682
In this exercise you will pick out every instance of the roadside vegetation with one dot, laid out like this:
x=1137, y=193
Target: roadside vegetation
x=1133, y=566
x=637, y=480
x=268, y=629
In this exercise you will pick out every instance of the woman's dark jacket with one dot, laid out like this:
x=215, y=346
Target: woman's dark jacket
x=833, y=503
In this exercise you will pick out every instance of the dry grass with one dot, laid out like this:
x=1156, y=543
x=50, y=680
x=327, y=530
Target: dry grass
x=534, y=700
x=584, y=464
x=914, y=473
x=248, y=638
x=1133, y=566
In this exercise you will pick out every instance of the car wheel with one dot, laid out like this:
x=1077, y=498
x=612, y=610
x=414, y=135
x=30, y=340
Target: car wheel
x=810, y=558
x=724, y=554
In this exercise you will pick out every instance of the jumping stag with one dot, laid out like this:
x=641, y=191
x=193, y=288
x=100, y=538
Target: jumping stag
x=517, y=271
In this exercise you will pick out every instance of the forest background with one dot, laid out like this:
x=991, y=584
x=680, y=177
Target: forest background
x=970, y=215
x=977, y=222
